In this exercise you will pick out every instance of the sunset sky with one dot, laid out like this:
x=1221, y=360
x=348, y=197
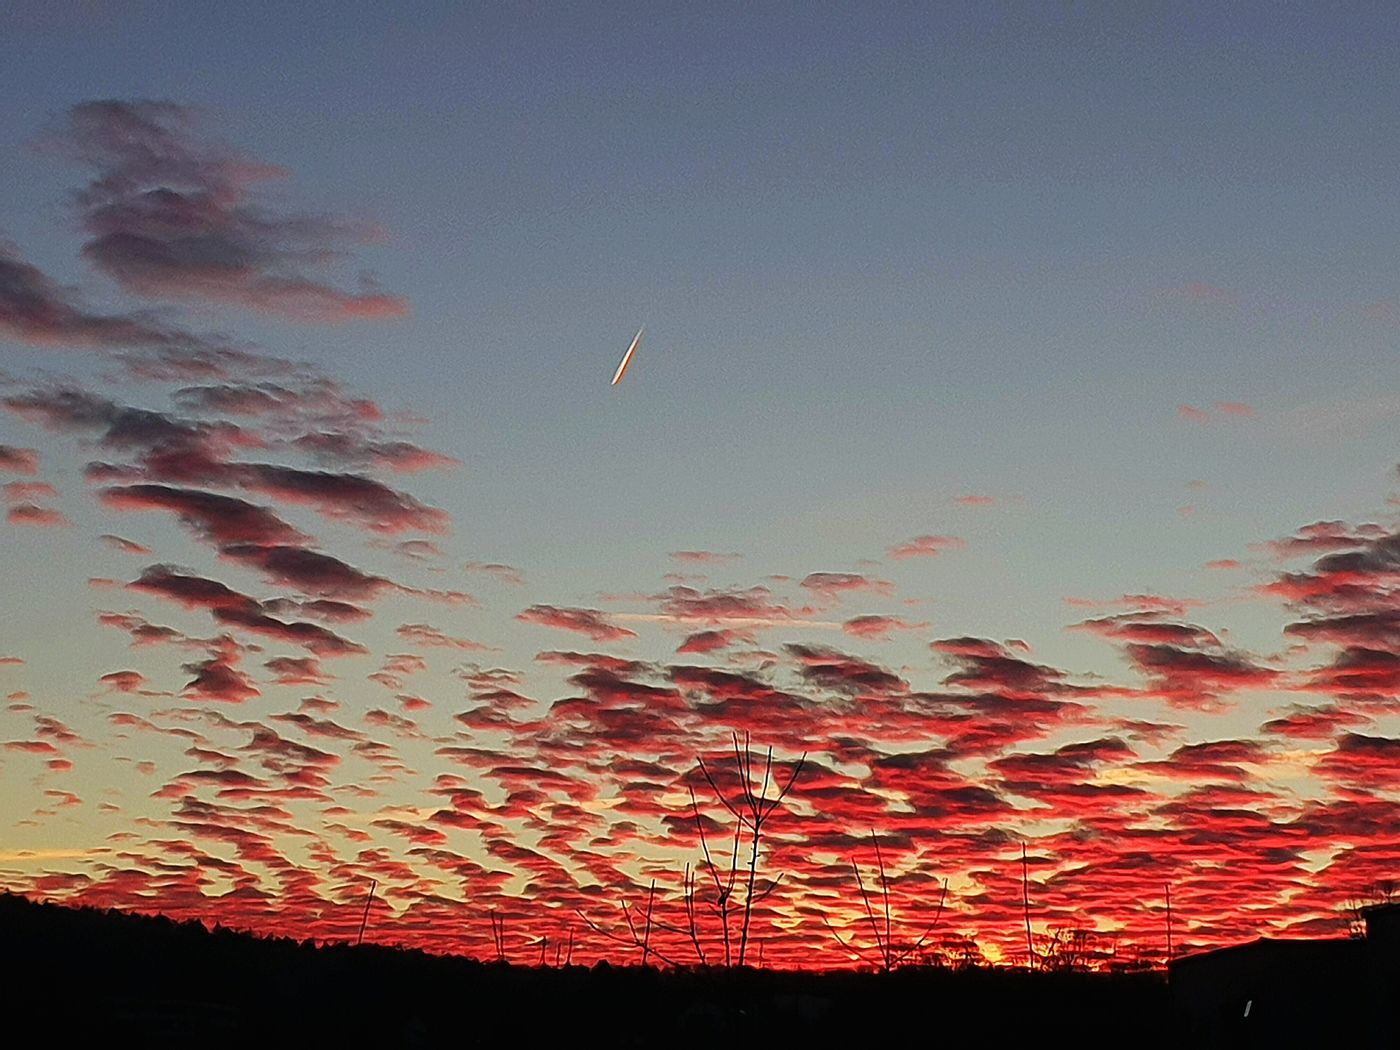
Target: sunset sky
x=1013, y=433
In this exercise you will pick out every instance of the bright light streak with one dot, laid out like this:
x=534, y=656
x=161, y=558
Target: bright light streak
x=627, y=357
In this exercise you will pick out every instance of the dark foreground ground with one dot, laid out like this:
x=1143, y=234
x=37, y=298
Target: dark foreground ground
x=83, y=974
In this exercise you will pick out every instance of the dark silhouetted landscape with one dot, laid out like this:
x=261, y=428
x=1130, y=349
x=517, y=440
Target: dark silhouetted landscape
x=107, y=974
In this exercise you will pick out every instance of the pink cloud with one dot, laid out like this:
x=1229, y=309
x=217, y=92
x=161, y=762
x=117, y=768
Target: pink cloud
x=124, y=545
x=589, y=622
x=36, y=311
x=123, y=681
x=39, y=517
x=1234, y=408
x=426, y=635
x=27, y=491
x=19, y=460
x=834, y=583
x=505, y=573
x=712, y=641
x=878, y=626
x=926, y=546
x=172, y=217
x=704, y=557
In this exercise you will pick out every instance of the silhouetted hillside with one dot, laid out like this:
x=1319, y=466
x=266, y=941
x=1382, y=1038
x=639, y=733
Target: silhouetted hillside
x=113, y=974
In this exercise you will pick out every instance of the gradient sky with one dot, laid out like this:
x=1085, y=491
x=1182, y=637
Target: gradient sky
x=1101, y=303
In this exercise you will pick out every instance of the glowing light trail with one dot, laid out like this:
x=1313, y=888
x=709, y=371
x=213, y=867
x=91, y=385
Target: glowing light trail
x=627, y=357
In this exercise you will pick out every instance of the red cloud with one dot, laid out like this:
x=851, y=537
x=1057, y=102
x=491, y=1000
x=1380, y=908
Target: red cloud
x=218, y=519
x=41, y=517
x=418, y=550
x=987, y=665
x=296, y=670
x=170, y=217
x=926, y=546
x=877, y=626
x=704, y=557
x=712, y=641
x=30, y=747
x=429, y=636
x=19, y=460
x=28, y=491
x=311, y=572
x=1313, y=723
x=326, y=610
x=1144, y=627
x=229, y=607
x=725, y=606
x=124, y=545
x=36, y=311
x=1372, y=762
x=833, y=583
x=345, y=497
x=504, y=573
x=123, y=681
x=584, y=621
x=168, y=448
x=1321, y=537
x=219, y=677
x=842, y=672
x=1234, y=408
x=141, y=632
x=1193, y=678
x=313, y=401
x=346, y=449
x=1237, y=409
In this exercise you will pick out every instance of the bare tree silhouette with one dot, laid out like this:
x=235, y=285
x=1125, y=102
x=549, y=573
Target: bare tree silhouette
x=1382, y=891
x=889, y=953
x=364, y=919
x=751, y=809
x=498, y=935
x=1068, y=950
x=689, y=897
x=638, y=930
x=1026, y=908
x=561, y=956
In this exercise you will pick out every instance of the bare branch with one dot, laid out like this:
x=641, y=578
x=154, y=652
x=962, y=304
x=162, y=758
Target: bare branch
x=715, y=788
x=631, y=938
x=870, y=914
x=796, y=770
x=884, y=886
x=914, y=948
x=770, y=888
x=750, y=809
x=1026, y=905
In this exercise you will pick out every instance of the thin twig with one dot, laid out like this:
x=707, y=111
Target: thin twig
x=885, y=889
x=1026, y=907
x=365, y=917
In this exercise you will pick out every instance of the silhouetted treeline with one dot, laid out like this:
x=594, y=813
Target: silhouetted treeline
x=108, y=974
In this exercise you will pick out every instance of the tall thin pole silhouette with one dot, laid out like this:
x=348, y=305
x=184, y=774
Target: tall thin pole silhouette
x=1170, y=952
x=365, y=918
x=1026, y=907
